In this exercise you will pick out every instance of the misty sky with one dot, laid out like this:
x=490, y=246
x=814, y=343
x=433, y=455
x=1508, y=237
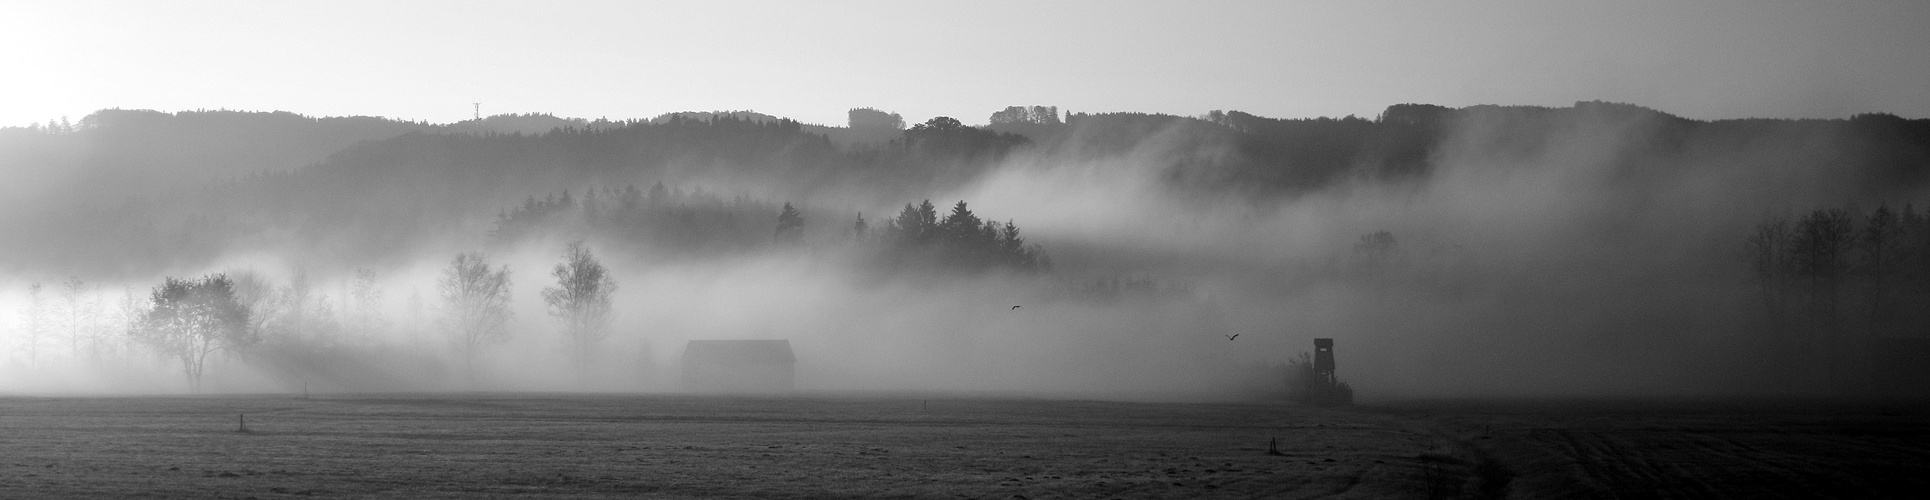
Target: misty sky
x=812, y=61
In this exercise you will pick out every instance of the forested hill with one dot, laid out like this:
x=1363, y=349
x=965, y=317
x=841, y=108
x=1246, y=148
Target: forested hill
x=1234, y=151
x=166, y=189
x=114, y=154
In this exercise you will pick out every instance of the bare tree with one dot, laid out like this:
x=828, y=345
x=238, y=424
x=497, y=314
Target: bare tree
x=1881, y=246
x=76, y=315
x=1822, y=243
x=1822, y=246
x=581, y=302
x=1768, y=249
x=475, y=303
x=366, y=296
x=191, y=319
x=292, y=301
x=255, y=293
x=36, y=319
x=128, y=312
x=301, y=315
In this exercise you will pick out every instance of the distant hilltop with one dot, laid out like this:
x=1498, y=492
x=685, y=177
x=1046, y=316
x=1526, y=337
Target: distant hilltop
x=222, y=176
x=124, y=152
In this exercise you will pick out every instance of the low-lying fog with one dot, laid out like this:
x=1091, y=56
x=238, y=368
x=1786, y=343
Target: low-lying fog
x=1561, y=268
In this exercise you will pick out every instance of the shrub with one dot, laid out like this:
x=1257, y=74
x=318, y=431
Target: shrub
x=1303, y=387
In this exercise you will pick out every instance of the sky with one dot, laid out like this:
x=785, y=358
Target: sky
x=812, y=61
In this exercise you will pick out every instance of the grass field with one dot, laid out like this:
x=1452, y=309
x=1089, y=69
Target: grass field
x=472, y=446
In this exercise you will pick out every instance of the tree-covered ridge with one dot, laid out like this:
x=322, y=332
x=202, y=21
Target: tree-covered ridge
x=166, y=187
x=660, y=220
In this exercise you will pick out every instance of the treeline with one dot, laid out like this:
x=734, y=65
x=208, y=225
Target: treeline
x=1235, y=152
x=373, y=187
x=670, y=220
x=457, y=173
x=961, y=240
x=294, y=332
x=661, y=219
x=1831, y=282
x=188, y=320
x=380, y=198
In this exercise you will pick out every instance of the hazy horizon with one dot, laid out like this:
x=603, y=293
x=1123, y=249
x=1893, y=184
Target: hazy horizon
x=432, y=60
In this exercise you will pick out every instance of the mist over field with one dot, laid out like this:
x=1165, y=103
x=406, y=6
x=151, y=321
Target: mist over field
x=1598, y=249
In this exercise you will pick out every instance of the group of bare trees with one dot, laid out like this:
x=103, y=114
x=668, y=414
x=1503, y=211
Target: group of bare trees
x=191, y=321
x=581, y=302
x=475, y=302
x=73, y=318
x=1832, y=279
x=188, y=321
x=476, y=305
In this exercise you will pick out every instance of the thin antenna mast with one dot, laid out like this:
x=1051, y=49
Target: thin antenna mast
x=478, y=110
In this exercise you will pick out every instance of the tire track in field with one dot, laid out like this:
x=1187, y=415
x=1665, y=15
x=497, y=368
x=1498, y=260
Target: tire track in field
x=1625, y=469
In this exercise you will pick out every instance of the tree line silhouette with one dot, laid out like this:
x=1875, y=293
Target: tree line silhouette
x=294, y=331
x=372, y=186
x=699, y=222
x=960, y=240
x=1832, y=281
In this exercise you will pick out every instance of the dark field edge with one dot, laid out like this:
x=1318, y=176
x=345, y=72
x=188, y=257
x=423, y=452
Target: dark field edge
x=1657, y=405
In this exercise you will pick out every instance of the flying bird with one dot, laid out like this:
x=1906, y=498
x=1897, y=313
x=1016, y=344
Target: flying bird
x=1230, y=337
x=1015, y=307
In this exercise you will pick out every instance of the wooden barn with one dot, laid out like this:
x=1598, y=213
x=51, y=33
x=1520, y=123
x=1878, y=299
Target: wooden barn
x=739, y=366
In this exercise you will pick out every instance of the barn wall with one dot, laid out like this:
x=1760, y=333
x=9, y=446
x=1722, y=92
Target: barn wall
x=740, y=377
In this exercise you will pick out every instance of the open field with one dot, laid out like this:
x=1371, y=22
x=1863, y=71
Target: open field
x=684, y=446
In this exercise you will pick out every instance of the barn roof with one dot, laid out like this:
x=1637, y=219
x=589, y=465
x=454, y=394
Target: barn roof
x=739, y=351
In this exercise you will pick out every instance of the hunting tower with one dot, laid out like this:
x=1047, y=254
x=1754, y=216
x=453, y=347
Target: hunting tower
x=1323, y=361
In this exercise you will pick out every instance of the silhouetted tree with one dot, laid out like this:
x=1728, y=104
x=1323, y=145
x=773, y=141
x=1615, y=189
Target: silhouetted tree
x=1822, y=246
x=1880, y=246
x=872, y=119
x=961, y=229
x=939, y=125
x=581, y=302
x=962, y=240
x=916, y=224
x=1014, y=250
x=1804, y=267
x=1770, y=254
x=191, y=319
x=1035, y=115
x=1913, y=261
x=790, y=226
x=946, y=137
x=475, y=305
